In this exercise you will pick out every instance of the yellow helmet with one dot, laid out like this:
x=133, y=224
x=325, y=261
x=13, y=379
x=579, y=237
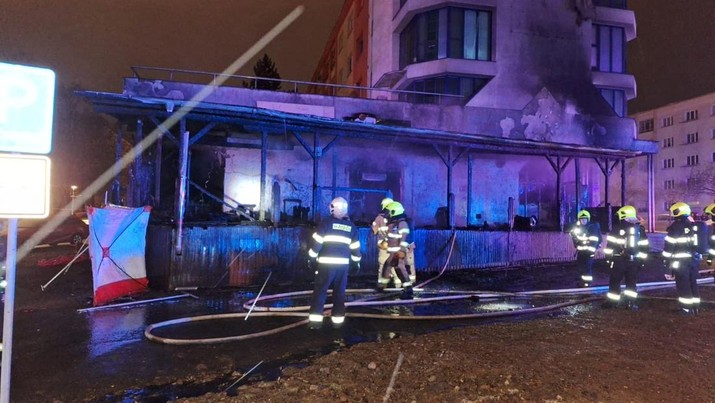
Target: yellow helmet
x=584, y=214
x=626, y=212
x=710, y=209
x=385, y=202
x=395, y=209
x=679, y=209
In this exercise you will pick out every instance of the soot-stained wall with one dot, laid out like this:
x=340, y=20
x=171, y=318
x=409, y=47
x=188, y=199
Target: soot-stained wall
x=414, y=175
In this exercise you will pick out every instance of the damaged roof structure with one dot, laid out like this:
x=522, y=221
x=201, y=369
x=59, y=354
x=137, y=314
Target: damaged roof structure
x=473, y=115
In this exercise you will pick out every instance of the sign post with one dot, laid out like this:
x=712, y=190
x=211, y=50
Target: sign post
x=27, y=102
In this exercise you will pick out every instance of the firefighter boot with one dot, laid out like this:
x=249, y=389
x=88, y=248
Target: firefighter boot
x=407, y=293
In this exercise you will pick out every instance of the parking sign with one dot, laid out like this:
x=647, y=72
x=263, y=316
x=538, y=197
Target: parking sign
x=27, y=99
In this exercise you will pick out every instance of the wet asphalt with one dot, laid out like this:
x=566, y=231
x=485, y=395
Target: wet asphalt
x=60, y=354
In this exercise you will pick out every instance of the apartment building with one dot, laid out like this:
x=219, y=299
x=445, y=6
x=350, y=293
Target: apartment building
x=684, y=168
x=552, y=63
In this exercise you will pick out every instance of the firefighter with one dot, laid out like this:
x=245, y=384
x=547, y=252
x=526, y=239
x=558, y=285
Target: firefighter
x=626, y=251
x=397, y=246
x=379, y=228
x=710, y=221
x=586, y=238
x=682, y=257
x=335, y=248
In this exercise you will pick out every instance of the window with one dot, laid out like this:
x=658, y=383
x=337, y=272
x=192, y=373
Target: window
x=691, y=138
x=669, y=163
x=692, y=160
x=608, y=49
x=452, y=85
x=668, y=142
x=713, y=157
x=665, y=122
x=645, y=126
x=712, y=110
x=713, y=133
x=691, y=115
x=616, y=98
x=452, y=32
x=669, y=184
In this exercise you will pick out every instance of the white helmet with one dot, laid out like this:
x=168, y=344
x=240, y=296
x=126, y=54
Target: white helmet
x=339, y=207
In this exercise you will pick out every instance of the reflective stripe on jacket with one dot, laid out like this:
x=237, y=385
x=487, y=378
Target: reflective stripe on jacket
x=335, y=242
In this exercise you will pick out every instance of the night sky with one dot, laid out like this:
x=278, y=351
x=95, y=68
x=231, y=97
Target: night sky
x=93, y=43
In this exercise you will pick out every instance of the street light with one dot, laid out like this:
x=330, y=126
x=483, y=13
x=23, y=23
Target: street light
x=72, y=197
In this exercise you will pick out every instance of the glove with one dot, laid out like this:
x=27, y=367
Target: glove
x=354, y=267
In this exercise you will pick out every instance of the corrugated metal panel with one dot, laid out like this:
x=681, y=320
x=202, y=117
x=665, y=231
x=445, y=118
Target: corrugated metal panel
x=243, y=255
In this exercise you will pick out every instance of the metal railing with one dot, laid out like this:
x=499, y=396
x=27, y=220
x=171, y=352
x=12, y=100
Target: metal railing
x=291, y=86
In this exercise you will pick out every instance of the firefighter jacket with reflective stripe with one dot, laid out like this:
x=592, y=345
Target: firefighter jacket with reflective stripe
x=379, y=225
x=627, y=240
x=711, y=242
x=335, y=242
x=586, y=238
x=397, y=234
x=681, y=242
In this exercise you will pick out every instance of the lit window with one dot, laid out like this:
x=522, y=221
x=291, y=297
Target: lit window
x=608, y=49
x=462, y=87
x=452, y=32
x=617, y=100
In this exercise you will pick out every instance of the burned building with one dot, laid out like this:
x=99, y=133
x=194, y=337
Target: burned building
x=476, y=117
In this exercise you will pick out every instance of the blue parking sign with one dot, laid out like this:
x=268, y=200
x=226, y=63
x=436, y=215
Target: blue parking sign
x=27, y=102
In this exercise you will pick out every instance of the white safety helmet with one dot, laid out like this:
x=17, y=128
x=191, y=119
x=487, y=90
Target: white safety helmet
x=339, y=207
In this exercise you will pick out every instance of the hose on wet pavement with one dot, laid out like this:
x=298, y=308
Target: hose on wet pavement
x=302, y=311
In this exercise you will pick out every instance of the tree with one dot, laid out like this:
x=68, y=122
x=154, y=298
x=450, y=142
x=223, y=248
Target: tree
x=701, y=182
x=266, y=68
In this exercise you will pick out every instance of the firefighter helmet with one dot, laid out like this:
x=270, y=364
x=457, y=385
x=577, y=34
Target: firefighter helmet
x=395, y=209
x=339, y=207
x=385, y=202
x=710, y=210
x=584, y=214
x=626, y=212
x=679, y=209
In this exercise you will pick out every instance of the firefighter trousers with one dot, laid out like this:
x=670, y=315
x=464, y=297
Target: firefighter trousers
x=396, y=264
x=686, y=283
x=325, y=276
x=382, y=256
x=584, y=262
x=623, y=267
